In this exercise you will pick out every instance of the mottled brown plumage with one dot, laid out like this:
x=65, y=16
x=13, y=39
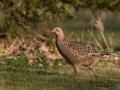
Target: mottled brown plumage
x=77, y=53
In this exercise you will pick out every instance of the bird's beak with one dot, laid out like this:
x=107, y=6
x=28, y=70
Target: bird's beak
x=52, y=30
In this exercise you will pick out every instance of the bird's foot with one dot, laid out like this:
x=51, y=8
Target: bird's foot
x=96, y=75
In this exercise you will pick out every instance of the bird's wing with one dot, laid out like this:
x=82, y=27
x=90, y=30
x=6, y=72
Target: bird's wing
x=84, y=49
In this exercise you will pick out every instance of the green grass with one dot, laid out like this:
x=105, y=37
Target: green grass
x=24, y=77
x=87, y=36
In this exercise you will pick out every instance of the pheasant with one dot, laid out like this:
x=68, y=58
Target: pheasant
x=77, y=53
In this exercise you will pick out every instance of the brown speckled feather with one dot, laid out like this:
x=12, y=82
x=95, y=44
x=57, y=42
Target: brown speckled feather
x=84, y=49
x=76, y=52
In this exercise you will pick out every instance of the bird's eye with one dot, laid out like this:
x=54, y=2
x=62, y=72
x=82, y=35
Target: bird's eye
x=57, y=30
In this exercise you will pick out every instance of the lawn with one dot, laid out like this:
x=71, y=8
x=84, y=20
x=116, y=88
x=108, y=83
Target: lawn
x=18, y=76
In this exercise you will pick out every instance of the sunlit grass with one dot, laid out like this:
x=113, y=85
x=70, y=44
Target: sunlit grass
x=59, y=78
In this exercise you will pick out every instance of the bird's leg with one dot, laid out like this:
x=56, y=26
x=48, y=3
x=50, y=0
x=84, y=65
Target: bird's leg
x=76, y=68
x=93, y=70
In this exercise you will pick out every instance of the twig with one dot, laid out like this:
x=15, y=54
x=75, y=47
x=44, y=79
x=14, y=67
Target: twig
x=99, y=26
x=20, y=3
x=91, y=33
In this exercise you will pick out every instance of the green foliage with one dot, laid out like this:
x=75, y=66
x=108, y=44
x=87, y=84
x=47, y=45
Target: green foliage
x=18, y=62
x=102, y=5
x=1, y=50
x=52, y=40
x=19, y=15
x=44, y=60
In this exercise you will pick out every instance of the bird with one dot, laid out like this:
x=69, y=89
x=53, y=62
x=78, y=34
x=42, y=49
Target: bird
x=77, y=53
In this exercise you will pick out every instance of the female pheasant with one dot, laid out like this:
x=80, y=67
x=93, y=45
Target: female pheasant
x=77, y=53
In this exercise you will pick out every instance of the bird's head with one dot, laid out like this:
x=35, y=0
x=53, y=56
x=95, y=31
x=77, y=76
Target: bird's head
x=58, y=31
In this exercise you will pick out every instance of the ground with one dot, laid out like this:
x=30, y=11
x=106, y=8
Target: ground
x=58, y=77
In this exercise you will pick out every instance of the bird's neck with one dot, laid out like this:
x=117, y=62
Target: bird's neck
x=60, y=37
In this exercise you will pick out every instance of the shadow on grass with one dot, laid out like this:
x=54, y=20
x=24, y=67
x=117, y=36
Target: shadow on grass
x=36, y=71
x=53, y=80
